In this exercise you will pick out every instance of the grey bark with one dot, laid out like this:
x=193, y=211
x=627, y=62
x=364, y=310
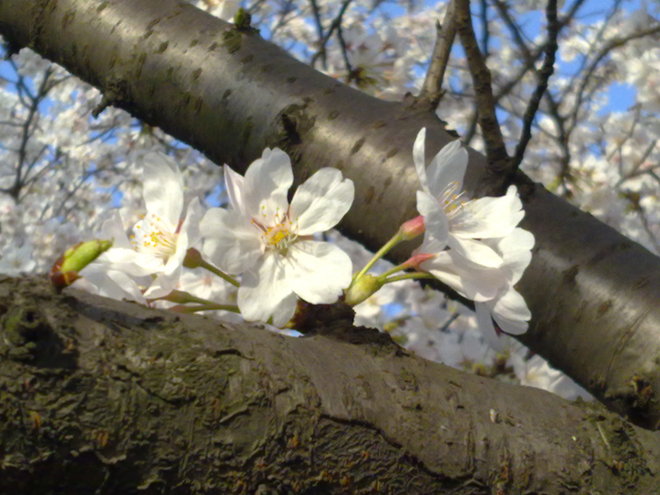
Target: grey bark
x=593, y=293
x=102, y=396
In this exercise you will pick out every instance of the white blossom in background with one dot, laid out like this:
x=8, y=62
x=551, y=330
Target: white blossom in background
x=18, y=260
x=224, y=9
x=536, y=372
x=383, y=308
x=269, y=242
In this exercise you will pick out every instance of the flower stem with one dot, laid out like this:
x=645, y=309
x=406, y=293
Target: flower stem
x=219, y=273
x=397, y=268
x=208, y=307
x=409, y=276
x=396, y=239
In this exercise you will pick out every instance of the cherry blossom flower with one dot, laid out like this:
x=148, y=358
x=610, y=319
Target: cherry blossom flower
x=508, y=308
x=452, y=220
x=492, y=289
x=478, y=250
x=161, y=239
x=269, y=241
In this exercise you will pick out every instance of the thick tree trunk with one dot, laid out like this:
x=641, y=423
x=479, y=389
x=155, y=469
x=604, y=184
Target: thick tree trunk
x=592, y=292
x=101, y=396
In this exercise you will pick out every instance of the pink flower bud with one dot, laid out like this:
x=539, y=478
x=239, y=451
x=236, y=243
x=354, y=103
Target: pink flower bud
x=417, y=259
x=412, y=228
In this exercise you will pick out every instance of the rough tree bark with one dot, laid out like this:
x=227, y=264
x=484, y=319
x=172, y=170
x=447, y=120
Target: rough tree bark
x=101, y=396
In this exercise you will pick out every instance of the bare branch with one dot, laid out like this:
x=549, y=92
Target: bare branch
x=499, y=171
x=602, y=53
x=334, y=26
x=432, y=88
x=319, y=30
x=543, y=76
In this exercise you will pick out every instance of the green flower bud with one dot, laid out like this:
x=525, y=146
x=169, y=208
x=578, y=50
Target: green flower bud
x=65, y=270
x=361, y=289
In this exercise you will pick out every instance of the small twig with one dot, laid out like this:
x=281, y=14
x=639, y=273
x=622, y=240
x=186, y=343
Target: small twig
x=498, y=167
x=543, y=76
x=485, y=32
x=102, y=105
x=450, y=320
x=432, y=88
x=334, y=26
x=344, y=51
x=319, y=30
x=602, y=53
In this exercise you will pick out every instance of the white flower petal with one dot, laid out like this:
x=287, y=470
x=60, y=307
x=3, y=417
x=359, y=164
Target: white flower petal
x=130, y=261
x=263, y=289
x=163, y=284
x=518, y=240
x=321, y=201
x=447, y=167
x=419, y=159
x=110, y=283
x=512, y=327
x=162, y=188
x=190, y=224
x=476, y=252
x=318, y=271
x=475, y=284
x=436, y=222
x=267, y=181
x=113, y=228
x=511, y=306
x=230, y=241
x=489, y=217
x=235, y=184
x=285, y=310
x=431, y=245
x=516, y=251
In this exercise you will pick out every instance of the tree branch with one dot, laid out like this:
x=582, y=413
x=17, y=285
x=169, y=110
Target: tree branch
x=543, y=76
x=102, y=396
x=432, y=87
x=499, y=173
x=334, y=26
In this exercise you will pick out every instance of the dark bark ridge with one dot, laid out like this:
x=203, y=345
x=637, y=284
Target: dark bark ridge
x=592, y=292
x=102, y=396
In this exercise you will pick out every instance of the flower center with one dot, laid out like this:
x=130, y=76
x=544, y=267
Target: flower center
x=152, y=235
x=452, y=199
x=277, y=237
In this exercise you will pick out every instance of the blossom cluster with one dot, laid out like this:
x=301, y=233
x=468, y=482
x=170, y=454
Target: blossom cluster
x=260, y=238
x=477, y=247
x=264, y=247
